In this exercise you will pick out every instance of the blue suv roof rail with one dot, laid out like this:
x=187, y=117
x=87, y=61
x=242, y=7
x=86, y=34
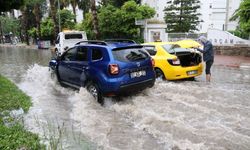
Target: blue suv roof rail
x=92, y=42
x=127, y=47
x=120, y=41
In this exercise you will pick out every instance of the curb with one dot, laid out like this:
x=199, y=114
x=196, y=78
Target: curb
x=245, y=65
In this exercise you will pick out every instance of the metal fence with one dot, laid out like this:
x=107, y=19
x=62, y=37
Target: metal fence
x=180, y=36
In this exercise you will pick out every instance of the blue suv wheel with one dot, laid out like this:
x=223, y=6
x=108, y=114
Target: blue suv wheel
x=95, y=92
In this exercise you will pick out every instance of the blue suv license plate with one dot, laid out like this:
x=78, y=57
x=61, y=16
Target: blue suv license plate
x=138, y=74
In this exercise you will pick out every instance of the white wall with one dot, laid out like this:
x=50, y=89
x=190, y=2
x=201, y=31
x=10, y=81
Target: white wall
x=218, y=37
x=158, y=5
x=213, y=17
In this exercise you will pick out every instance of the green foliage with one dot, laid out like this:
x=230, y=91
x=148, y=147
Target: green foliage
x=243, y=16
x=11, y=97
x=118, y=22
x=238, y=32
x=14, y=136
x=32, y=32
x=84, y=5
x=6, y=5
x=67, y=19
x=117, y=3
x=87, y=26
x=182, y=16
x=10, y=24
x=47, y=28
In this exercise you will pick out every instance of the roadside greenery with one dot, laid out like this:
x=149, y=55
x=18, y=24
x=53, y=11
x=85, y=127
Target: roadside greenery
x=98, y=21
x=240, y=33
x=117, y=3
x=47, y=29
x=182, y=15
x=13, y=134
x=47, y=26
x=9, y=24
x=242, y=15
x=66, y=19
x=114, y=22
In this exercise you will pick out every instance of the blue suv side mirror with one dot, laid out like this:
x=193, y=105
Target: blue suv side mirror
x=53, y=63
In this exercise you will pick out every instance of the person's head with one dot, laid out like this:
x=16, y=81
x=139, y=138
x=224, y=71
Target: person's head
x=202, y=39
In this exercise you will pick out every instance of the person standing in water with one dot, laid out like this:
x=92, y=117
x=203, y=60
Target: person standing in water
x=208, y=55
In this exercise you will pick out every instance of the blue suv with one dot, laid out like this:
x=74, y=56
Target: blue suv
x=105, y=68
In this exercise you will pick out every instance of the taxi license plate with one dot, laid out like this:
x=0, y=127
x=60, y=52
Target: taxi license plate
x=192, y=72
x=138, y=74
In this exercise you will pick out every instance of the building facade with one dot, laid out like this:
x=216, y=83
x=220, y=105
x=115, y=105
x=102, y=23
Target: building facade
x=214, y=13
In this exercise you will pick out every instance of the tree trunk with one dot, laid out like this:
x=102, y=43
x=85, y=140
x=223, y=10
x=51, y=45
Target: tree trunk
x=73, y=3
x=25, y=25
x=38, y=19
x=53, y=11
x=95, y=20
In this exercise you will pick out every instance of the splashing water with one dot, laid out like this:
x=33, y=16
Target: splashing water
x=171, y=115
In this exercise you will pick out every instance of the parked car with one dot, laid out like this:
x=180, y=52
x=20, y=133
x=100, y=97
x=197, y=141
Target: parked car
x=176, y=60
x=105, y=69
x=67, y=39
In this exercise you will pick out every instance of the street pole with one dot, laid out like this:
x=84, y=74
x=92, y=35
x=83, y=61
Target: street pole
x=1, y=32
x=59, y=17
x=227, y=17
x=146, y=30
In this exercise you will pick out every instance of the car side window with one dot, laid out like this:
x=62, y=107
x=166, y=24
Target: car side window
x=82, y=54
x=151, y=50
x=96, y=54
x=70, y=54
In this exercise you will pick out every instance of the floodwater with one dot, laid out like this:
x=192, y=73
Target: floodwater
x=183, y=115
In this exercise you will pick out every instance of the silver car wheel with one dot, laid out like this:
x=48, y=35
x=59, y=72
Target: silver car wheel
x=93, y=91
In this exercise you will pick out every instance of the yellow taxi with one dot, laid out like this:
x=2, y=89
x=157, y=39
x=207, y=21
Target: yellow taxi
x=176, y=60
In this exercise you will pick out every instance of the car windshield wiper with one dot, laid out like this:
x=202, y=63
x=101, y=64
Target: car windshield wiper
x=135, y=56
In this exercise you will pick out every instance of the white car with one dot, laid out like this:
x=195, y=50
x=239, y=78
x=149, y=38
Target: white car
x=67, y=39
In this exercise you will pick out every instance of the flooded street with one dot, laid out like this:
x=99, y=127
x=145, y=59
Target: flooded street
x=183, y=115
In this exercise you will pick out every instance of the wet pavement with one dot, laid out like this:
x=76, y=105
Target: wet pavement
x=182, y=115
x=232, y=61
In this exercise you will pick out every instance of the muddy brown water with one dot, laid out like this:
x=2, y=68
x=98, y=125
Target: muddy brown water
x=172, y=115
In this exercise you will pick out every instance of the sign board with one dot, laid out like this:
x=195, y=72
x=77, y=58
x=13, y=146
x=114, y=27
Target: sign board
x=44, y=44
x=140, y=22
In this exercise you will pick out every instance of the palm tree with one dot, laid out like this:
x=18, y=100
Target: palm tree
x=74, y=3
x=63, y=3
x=37, y=12
x=95, y=20
x=53, y=13
x=24, y=22
x=85, y=6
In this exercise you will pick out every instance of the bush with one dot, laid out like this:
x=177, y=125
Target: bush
x=11, y=97
x=14, y=136
x=238, y=32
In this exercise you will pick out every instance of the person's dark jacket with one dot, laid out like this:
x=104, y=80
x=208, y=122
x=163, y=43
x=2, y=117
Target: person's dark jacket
x=208, y=52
